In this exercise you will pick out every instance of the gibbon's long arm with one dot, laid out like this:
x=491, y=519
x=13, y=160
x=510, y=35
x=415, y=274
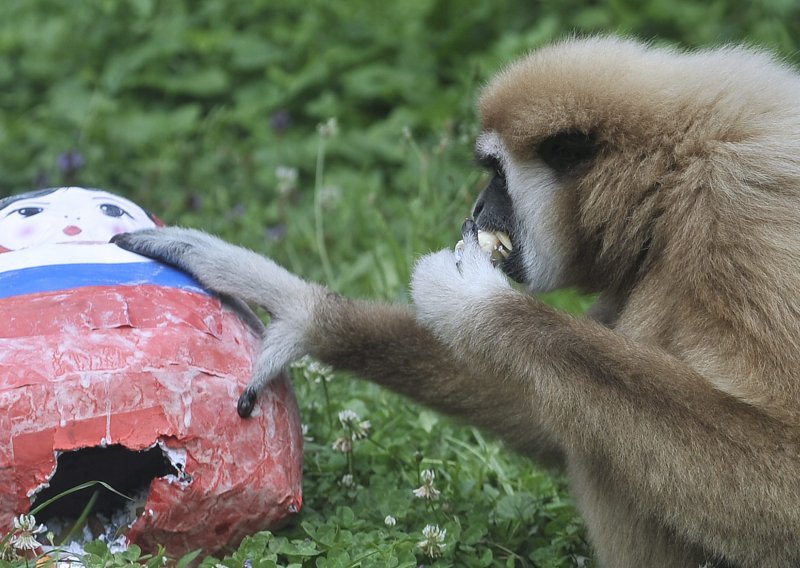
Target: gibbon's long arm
x=384, y=344
x=379, y=342
x=696, y=458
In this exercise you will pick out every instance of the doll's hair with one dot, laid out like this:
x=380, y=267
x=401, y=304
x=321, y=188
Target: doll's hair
x=6, y=201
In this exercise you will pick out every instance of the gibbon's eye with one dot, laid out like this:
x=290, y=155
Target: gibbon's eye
x=566, y=150
x=497, y=170
x=492, y=165
x=112, y=210
x=27, y=211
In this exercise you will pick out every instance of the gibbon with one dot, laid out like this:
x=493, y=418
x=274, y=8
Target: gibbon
x=668, y=183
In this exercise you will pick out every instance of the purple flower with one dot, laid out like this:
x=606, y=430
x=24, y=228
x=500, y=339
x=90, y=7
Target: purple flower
x=281, y=121
x=275, y=233
x=70, y=162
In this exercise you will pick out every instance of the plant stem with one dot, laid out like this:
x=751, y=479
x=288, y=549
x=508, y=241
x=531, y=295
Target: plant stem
x=319, y=231
x=327, y=402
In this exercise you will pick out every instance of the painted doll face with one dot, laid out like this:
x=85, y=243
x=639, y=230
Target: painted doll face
x=68, y=215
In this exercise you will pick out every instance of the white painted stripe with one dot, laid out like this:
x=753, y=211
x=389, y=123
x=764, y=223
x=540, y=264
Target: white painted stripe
x=67, y=253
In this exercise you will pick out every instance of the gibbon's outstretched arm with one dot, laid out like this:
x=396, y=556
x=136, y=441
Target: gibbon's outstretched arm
x=380, y=342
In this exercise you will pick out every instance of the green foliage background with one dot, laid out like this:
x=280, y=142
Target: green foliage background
x=190, y=107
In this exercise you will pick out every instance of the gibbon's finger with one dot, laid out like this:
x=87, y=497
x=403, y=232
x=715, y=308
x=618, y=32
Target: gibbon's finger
x=435, y=268
x=152, y=244
x=188, y=250
x=469, y=231
x=476, y=264
x=247, y=402
x=469, y=234
x=281, y=346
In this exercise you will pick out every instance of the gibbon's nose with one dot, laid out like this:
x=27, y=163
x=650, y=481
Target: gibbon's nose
x=493, y=209
x=72, y=230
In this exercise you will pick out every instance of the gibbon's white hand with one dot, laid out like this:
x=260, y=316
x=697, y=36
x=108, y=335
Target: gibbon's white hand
x=447, y=288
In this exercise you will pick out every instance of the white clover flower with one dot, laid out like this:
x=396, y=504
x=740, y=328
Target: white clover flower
x=286, y=173
x=287, y=179
x=348, y=418
x=389, y=521
x=347, y=480
x=25, y=531
x=329, y=128
x=300, y=363
x=343, y=444
x=359, y=429
x=319, y=372
x=329, y=196
x=427, y=490
x=313, y=371
x=433, y=545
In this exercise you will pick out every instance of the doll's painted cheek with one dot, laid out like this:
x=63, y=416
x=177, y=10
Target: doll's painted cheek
x=26, y=232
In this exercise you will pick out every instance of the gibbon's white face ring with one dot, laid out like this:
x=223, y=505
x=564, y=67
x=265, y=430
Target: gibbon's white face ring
x=533, y=189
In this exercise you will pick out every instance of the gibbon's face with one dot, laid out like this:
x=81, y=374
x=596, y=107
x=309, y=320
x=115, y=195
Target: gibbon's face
x=599, y=150
x=526, y=199
x=545, y=137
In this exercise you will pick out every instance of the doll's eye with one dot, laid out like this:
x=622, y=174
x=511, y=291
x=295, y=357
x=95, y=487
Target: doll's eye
x=112, y=210
x=28, y=211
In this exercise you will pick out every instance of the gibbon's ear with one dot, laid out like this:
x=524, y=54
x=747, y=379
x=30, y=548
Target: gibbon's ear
x=566, y=151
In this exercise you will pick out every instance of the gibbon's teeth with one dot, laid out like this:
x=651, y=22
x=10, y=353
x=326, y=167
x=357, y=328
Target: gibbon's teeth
x=505, y=240
x=497, y=244
x=487, y=241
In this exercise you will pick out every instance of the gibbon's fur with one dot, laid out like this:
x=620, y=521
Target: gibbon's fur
x=667, y=181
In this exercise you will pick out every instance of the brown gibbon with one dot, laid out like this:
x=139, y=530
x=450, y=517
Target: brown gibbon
x=668, y=183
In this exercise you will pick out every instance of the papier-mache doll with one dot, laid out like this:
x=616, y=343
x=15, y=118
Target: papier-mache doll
x=124, y=369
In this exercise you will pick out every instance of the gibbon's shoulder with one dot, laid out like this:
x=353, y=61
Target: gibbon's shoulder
x=636, y=90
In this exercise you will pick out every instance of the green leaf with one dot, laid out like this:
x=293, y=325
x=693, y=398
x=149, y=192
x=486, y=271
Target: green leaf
x=187, y=559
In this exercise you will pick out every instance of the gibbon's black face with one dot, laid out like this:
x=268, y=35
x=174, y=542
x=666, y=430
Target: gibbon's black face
x=494, y=211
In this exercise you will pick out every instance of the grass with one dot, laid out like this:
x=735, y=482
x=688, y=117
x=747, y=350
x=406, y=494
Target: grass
x=218, y=115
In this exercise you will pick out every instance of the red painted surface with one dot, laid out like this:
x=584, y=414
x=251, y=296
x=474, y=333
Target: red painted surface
x=138, y=365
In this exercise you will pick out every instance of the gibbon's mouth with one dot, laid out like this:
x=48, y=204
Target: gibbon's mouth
x=511, y=263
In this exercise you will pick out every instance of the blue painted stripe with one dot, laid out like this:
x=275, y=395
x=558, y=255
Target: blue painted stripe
x=39, y=279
